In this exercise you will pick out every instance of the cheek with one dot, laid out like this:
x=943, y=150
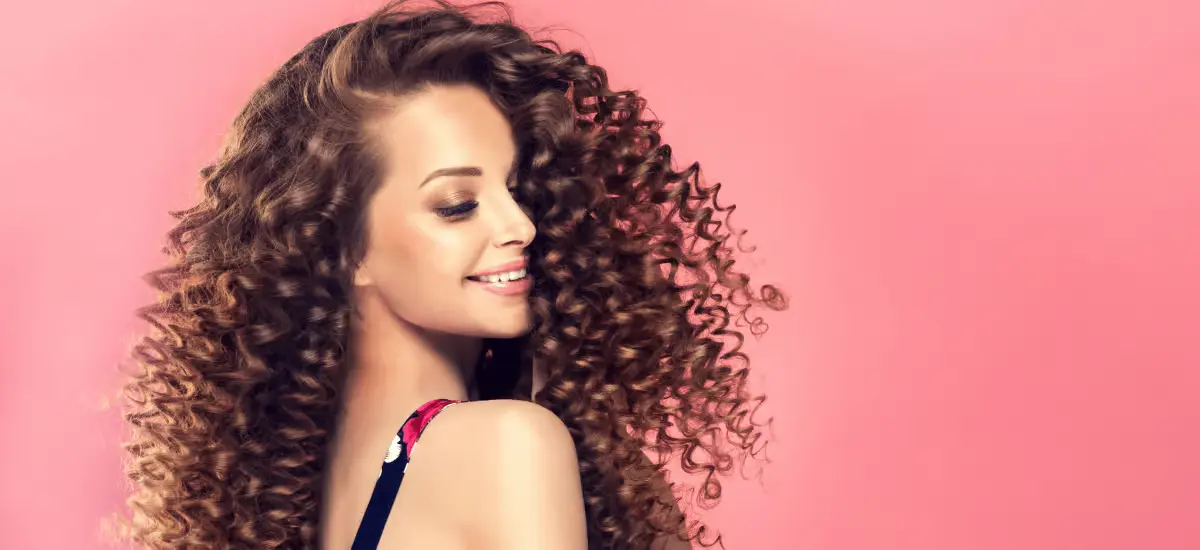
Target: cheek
x=447, y=253
x=420, y=271
x=417, y=257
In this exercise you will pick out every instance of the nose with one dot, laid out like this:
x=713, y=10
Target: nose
x=514, y=227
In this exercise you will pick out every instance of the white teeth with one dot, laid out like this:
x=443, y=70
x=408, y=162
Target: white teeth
x=503, y=277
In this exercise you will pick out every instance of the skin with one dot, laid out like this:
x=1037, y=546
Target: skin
x=499, y=474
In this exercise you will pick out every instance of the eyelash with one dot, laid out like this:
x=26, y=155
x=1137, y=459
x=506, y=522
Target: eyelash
x=463, y=209
x=458, y=211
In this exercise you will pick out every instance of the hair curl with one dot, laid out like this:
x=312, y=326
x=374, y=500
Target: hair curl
x=634, y=308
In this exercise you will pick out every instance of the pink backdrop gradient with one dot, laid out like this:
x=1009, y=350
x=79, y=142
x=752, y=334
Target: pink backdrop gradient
x=987, y=215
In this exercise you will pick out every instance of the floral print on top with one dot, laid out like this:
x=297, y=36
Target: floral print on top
x=395, y=462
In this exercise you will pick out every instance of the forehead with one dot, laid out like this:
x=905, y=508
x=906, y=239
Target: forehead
x=441, y=127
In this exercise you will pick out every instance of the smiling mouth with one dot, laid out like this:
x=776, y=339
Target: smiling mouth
x=505, y=277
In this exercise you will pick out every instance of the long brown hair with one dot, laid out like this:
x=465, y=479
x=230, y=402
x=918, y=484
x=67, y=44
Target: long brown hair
x=635, y=307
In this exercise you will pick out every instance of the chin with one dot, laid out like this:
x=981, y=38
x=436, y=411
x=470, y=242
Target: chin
x=517, y=330
x=500, y=328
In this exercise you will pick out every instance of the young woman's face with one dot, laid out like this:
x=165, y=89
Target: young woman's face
x=445, y=239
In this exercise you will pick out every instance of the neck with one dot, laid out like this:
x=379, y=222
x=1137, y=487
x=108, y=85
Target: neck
x=397, y=366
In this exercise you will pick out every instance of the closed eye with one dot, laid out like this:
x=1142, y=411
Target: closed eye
x=457, y=211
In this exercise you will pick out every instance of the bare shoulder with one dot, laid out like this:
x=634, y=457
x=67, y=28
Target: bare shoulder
x=510, y=468
x=498, y=436
x=511, y=423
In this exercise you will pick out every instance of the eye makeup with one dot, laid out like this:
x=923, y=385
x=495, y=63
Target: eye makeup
x=457, y=206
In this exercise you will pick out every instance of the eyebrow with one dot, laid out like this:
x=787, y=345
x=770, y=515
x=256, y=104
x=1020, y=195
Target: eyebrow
x=452, y=171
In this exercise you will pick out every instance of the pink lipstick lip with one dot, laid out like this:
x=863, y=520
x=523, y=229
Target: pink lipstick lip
x=505, y=268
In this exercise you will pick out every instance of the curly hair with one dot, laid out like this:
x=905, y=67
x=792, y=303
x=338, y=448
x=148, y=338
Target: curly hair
x=636, y=307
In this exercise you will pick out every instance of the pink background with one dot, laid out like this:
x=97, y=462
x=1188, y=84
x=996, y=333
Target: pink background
x=987, y=214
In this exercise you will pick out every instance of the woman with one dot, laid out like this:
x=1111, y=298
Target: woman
x=427, y=212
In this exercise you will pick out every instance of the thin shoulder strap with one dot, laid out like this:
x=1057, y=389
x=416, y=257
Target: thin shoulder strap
x=380, y=507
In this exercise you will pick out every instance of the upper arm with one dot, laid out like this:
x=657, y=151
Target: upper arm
x=512, y=469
